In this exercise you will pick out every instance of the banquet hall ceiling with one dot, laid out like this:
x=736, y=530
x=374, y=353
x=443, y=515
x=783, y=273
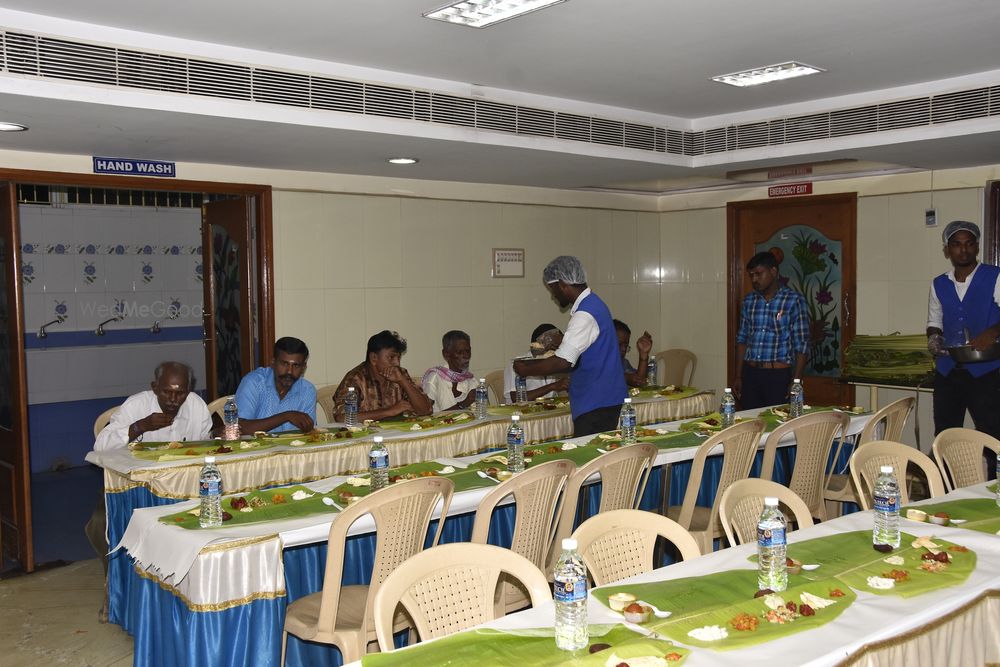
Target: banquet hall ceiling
x=641, y=61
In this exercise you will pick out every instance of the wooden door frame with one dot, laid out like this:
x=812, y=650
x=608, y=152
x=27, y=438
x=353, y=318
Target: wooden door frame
x=735, y=266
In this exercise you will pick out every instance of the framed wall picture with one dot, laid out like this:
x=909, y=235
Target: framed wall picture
x=508, y=262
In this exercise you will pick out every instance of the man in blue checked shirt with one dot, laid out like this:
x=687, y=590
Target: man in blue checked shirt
x=773, y=338
x=278, y=398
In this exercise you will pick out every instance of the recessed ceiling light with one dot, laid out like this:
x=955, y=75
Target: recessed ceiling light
x=12, y=127
x=482, y=13
x=403, y=160
x=759, y=75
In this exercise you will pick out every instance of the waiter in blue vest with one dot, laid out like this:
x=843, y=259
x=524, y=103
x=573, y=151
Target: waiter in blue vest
x=964, y=305
x=589, y=349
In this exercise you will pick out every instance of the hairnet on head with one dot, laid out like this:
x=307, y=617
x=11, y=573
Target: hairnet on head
x=565, y=268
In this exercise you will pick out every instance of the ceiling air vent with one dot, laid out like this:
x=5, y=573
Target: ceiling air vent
x=496, y=116
x=388, y=101
x=59, y=59
x=853, y=121
x=752, y=135
x=337, y=95
x=21, y=53
x=675, y=142
x=608, y=132
x=572, y=127
x=995, y=100
x=906, y=113
x=715, y=140
x=963, y=105
x=152, y=71
x=274, y=87
x=807, y=128
x=451, y=110
x=640, y=137
x=536, y=122
x=218, y=80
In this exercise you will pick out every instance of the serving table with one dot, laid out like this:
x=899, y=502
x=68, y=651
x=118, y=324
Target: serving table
x=224, y=590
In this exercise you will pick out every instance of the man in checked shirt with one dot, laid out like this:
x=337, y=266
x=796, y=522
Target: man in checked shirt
x=773, y=337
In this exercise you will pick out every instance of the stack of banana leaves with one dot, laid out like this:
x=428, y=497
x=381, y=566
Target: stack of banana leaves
x=892, y=359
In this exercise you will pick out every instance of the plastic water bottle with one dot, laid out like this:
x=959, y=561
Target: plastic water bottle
x=515, y=445
x=627, y=422
x=772, y=571
x=885, y=497
x=230, y=420
x=482, y=400
x=378, y=464
x=570, y=594
x=210, y=492
x=351, y=407
x=651, y=372
x=796, y=398
x=521, y=389
x=728, y=408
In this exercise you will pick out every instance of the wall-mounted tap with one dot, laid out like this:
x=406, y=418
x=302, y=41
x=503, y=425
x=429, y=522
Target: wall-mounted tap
x=42, y=333
x=155, y=329
x=100, y=327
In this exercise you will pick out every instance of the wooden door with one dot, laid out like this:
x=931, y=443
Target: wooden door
x=15, y=467
x=814, y=241
x=230, y=338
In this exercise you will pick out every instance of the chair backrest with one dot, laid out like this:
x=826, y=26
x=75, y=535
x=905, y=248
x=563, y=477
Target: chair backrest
x=743, y=502
x=494, y=380
x=892, y=417
x=739, y=446
x=623, y=474
x=814, y=436
x=619, y=544
x=676, y=366
x=402, y=513
x=324, y=398
x=869, y=457
x=959, y=455
x=450, y=588
x=104, y=419
x=538, y=498
x=217, y=406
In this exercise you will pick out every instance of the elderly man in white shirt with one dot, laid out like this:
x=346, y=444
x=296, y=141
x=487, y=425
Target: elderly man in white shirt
x=167, y=412
x=452, y=387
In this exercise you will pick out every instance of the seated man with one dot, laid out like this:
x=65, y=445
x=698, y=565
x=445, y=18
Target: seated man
x=167, y=412
x=384, y=388
x=278, y=398
x=453, y=386
x=634, y=377
x=544, y=341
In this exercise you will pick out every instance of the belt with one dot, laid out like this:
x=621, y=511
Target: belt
x=767, y=364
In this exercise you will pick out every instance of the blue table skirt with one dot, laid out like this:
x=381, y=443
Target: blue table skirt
x=167, y=633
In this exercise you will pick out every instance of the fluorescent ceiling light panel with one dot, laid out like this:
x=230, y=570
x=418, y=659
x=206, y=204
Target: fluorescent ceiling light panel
x=6, y=126
x=403, y=160
x=759, y=75
x=482, y=13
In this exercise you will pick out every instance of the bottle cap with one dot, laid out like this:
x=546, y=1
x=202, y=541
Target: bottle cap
x=515, y=418
x=482, y=379
x=350, y=389
x=377, y=438
x=796, y=380
x=729, y=389
x=628, y=400
x=209, y=459
x=569, y=544
x=771, y=502
x=885, y=470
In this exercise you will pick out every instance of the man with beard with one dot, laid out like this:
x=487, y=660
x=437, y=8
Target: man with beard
x=773, y=338
x=167, y=412
x=384, y=387
x=964, y=306
x=278, y=398
x=453, y=386
x=589, y=349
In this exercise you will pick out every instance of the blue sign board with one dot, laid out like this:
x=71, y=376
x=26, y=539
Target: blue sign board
x=127, y=167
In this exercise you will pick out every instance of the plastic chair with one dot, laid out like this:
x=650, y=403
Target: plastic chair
x=450, y=588
x=676, y=366
x=494, y=380
x=104, y=419
x=623, y=474
x=620, y=544
x=324, y=398
x=538, y=498
x=739, y=446
x=814, y=436
x=891, y=419
x=217, y=406
x=743, y=502
x=959, y=456
x=342, y=615
x=870, y=456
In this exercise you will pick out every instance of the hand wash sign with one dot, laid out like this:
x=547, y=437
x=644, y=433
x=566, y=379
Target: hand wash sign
x=127, y=167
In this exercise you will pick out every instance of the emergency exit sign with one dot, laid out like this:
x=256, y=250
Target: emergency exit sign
x=790, y=190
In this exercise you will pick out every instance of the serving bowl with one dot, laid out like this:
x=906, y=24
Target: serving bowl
x=965, y=354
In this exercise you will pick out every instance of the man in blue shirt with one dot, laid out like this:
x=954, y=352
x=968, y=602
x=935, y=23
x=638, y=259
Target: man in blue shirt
x=773, y=338
x=278, y=398
x=965, y=303
x=589, y=348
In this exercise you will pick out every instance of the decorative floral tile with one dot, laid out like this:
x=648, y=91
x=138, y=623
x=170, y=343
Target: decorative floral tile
x=28, y=272
x=148, y=272
x=30, y=248
x=59, y=249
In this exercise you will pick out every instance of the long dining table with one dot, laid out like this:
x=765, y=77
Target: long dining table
x=948, y=616
x=218, y=597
